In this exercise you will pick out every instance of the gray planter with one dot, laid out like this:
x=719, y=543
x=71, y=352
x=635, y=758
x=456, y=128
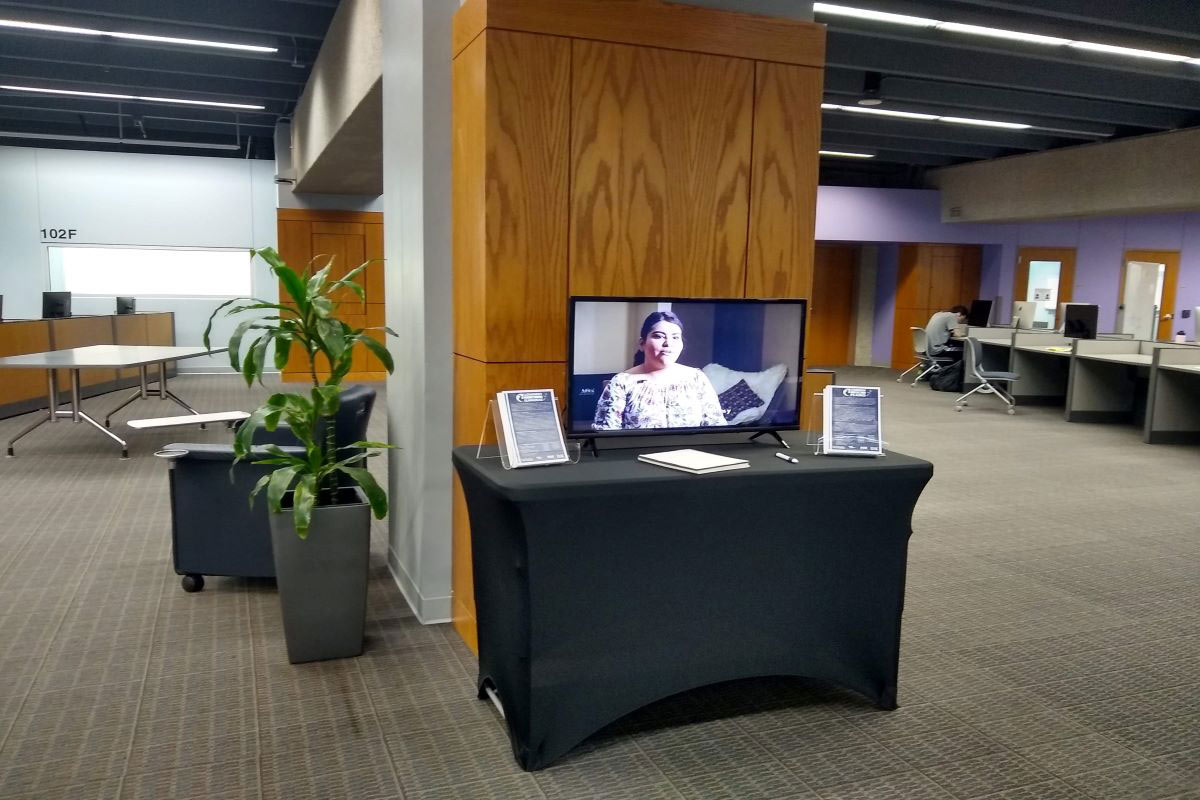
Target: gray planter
x=323, y=579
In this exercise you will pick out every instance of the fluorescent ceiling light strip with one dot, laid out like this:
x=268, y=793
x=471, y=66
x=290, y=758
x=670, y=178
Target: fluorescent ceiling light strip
x=880, y=16
x=114, y=140
x=844, y=154
x=112, y=96
x=1128, y=51
x=884, y=112
x=986, y=123
x=1000, y=33
x=141, y=37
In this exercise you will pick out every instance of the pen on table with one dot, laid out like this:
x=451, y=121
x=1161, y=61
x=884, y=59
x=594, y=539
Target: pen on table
x=786, y=457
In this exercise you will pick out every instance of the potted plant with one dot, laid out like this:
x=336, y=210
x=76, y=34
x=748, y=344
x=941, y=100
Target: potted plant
x=320, y=497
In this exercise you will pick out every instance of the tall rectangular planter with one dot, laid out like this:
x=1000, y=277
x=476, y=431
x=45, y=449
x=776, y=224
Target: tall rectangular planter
x=323, y=579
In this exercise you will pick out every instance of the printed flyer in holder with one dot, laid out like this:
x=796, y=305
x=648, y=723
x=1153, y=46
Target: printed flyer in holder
x=530, y=433
x=852, y=421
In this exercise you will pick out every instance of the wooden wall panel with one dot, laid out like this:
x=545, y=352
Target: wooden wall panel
x=82, y=332
x=528, y=119
x=649, y=23
x=474, y=383
x=130, y=329
x=18, y=338
x=661, y=145
x=468, y=190
x=783, y=185
x=831, y=311
x=160, y=329
x=930, y=278
x=912, y=278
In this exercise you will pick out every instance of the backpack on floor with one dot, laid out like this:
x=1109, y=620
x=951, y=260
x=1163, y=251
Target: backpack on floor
x=948, y=379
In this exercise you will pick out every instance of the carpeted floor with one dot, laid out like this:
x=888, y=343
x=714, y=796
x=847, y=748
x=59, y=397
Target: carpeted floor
x=1051, y=645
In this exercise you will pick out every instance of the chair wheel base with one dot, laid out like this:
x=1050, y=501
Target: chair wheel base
x=1012, y=411
x=959, y=408
x=193, y=583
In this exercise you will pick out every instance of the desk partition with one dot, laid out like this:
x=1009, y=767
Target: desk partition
x=24, y=390
x=1110, y=379
x=1043, y=360
x=1173, y=409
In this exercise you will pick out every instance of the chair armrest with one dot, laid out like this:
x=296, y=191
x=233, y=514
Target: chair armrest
x=219, y=452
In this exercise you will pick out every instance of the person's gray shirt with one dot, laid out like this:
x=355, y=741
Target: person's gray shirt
x=937, y=332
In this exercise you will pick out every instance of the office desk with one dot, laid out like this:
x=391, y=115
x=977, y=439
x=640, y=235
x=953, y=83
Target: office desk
x=1110, y=379
x=1043, y=366
x=101, y=356
x=1173, y=408
x=607, y=585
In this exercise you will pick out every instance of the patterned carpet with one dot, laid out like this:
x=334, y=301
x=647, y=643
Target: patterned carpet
x=1051, y=645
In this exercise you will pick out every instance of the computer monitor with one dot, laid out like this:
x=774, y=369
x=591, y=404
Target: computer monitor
x=126, y=305
x=1080, y=320
x=980, y=314
x=1023, y=312
x=56, y=304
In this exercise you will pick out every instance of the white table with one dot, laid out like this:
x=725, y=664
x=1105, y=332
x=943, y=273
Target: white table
x=101, y=356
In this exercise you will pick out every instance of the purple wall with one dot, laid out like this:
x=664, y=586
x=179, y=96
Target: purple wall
x=913, y=215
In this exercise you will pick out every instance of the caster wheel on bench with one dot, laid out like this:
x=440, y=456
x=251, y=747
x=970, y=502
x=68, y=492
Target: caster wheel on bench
x=193, y=583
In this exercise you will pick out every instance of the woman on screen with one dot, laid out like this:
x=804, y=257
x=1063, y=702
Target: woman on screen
x=657, y=392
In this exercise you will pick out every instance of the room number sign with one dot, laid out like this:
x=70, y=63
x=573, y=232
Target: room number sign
x=58, y=234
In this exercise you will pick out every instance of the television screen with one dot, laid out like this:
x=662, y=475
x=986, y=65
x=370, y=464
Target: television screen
x=659, y=365
x=56, y=304
x=1080, y=320
x=980, y=314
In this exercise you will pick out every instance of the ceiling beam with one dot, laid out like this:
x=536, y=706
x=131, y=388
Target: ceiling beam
x=832, y=139
x=859, y=50
x=938, y=131
x=1171, y=18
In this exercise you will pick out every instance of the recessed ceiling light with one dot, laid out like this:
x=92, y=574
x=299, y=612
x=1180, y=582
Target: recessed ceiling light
x=144, y=98
x=1000, y=33
x=879, y=16
x=141, y=37
x=843, y=154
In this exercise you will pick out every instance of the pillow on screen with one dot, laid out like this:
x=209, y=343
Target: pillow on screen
x=764, y=384
x=738, y=398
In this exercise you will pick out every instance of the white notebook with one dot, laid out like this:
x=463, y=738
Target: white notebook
x=695, y=461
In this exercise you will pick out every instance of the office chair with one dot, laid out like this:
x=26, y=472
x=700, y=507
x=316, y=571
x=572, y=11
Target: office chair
x=214, y=530
x=924, y=360
x=986, y=378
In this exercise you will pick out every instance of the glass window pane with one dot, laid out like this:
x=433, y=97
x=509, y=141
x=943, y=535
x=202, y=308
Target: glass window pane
x=150, y=271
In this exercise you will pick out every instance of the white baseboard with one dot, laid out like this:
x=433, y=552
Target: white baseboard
x=429, y=610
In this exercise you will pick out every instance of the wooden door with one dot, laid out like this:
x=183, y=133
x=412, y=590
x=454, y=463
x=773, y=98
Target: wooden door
x=831, y=310
x=1164, y=330
x=1066, y=273
x=931, y=278
x=311, y=239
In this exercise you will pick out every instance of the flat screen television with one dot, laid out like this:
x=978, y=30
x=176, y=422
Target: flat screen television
x=126, y=305
x=56, y=304
x=655, y=365
x=1080, y=320
x=980, y=315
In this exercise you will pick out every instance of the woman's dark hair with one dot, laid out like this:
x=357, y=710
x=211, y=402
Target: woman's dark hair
x=652, y=319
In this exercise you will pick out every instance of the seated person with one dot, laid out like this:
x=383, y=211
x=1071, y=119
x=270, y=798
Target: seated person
x=940, y=330
x=657, y=392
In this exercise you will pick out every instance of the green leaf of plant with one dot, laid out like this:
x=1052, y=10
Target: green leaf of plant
x=279, y=482
x=235, y=343
x=292, y=285
x=283, y=349
x=213, y=316
x=323, y=307
x=317, y=282
x=351, y=285
x=258, y=488
x=380, y=352
x=333, y=337
x=303, y=500
x=375, y=495
x=374, y=445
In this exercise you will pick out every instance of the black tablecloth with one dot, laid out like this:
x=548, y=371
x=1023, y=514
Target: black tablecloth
x=604, y=586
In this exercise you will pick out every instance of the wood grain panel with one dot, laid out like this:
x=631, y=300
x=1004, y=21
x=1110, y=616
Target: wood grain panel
x=82, y=332
x=339, y=228
x=373, y=281
x=971, y=268
x=474, y=383
x=831, y=312
x=19, y=338
x=650, y=23
x=160, y=328
x=912, y=277
x=783, y=184
x=902, y=343
x=468, y=192
x=528, y=85
x=327, y=215
x=660, y=171
x=130, y=329
x=945, y=278
x=812, y=408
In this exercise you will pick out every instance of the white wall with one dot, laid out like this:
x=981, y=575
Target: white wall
x=131, y=199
